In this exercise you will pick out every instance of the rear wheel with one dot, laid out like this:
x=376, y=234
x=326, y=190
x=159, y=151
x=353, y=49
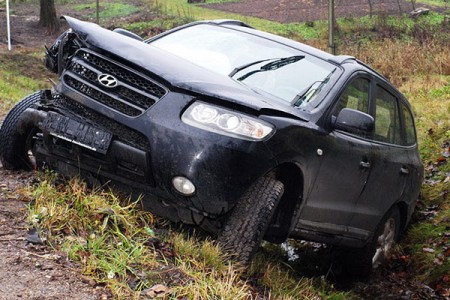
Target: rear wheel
x=17, y=138
x=386, y=237
x=248, y=222
x=361, y=262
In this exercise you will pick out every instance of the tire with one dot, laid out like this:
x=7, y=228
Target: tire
x=248, y=221
x=16, y=141
x=363, y=261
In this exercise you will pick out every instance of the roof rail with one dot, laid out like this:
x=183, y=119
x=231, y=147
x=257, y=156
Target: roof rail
x=230, y=22
x=340, y=59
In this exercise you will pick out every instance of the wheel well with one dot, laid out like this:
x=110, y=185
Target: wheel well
x=292, y=178
x=403, y=209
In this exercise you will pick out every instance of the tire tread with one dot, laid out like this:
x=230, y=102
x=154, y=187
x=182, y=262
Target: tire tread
x=12, y=138
x=247, y=223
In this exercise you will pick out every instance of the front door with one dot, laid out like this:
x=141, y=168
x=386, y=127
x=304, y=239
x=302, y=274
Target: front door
x=345, y=168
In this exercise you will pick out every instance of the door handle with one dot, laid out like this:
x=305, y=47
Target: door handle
x=364, y=164
x=404, y=170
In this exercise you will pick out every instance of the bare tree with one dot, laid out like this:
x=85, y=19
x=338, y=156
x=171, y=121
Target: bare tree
x=47, y=17
x=413, y=2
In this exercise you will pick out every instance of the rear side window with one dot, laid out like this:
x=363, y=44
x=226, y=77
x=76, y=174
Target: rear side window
x=410, y=133
x=387, y=118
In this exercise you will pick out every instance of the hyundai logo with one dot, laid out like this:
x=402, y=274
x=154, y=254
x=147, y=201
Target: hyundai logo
x=107, y=80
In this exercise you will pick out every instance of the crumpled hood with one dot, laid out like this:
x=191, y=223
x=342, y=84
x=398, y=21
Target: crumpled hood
x=177, y=71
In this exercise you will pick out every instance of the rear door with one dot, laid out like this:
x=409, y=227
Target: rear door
x=391, y=165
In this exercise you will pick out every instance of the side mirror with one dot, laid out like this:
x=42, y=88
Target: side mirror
x=354, y=121
x=128, y=34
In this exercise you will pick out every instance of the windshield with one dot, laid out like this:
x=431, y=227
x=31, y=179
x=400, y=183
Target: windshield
x=261, y=64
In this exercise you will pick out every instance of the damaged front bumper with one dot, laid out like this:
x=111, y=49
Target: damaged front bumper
x=143, y=157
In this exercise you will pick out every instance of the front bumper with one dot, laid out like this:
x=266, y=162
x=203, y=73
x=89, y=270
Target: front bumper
x=141, y=155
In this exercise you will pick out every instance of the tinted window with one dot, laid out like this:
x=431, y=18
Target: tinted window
x=355, y=96
x=387, y=120
x=410, y=134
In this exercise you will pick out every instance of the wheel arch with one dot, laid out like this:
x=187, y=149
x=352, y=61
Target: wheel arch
x=292, y=178
x=403, y=210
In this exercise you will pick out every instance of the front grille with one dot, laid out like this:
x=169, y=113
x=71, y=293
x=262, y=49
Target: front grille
x=122, y=133
x=102, y=97
x=133, y=94
x=124, y=74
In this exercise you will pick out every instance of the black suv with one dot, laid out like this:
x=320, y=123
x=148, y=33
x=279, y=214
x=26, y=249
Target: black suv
x=246, y=134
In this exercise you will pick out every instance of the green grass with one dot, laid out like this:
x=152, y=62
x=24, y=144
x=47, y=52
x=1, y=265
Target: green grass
x=220, y=1
x=21, y=73
x=107, y=10
x=441, y=3
x=109, y=237
x=430, y=97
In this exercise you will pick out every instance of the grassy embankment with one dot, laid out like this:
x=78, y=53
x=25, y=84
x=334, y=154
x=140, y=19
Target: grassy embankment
x=130, y=250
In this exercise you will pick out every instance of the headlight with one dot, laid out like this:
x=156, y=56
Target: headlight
x=226, y=122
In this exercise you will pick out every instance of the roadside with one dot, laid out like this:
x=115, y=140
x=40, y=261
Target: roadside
x=33, y=270
x=29, y=270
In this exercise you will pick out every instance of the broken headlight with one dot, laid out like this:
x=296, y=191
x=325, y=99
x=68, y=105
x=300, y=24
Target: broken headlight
x=65, y=46
x=226, y=122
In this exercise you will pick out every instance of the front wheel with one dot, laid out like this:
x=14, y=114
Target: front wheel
x=17, y=138
x=248, y=222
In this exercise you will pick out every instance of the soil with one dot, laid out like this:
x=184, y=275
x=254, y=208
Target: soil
x=290, y=11
x=34, y=271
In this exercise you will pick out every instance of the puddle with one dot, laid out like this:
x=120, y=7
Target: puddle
x=317, y=260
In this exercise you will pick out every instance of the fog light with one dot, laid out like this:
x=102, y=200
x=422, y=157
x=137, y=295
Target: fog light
x=183, y=185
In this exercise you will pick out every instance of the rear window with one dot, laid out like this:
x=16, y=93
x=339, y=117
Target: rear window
x=410, y=133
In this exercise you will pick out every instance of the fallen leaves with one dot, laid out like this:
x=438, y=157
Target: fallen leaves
x=433, y=174
x=428, y=250
x=156, y=291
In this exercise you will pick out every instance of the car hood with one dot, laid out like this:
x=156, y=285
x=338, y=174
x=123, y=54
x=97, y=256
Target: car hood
x=177, y=71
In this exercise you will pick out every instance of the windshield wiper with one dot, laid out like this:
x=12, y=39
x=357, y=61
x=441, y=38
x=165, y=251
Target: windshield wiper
x=275, y=64
x=240, y=68
x=308, y=92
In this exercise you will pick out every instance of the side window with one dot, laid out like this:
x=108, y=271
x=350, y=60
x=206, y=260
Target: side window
x=355, y=96
x=387, y=120
x=410, y=133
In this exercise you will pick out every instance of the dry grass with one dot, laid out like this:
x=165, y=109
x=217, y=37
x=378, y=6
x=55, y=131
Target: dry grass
x=399, y=61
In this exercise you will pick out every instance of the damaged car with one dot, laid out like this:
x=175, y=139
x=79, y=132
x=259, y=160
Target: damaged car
x=246, y=134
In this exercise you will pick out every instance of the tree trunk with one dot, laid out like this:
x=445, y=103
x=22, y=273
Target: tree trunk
x=47, y=16
x=370, y=8
x=399, y=7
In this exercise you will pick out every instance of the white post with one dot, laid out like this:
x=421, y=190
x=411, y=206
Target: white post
x=8, y=25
